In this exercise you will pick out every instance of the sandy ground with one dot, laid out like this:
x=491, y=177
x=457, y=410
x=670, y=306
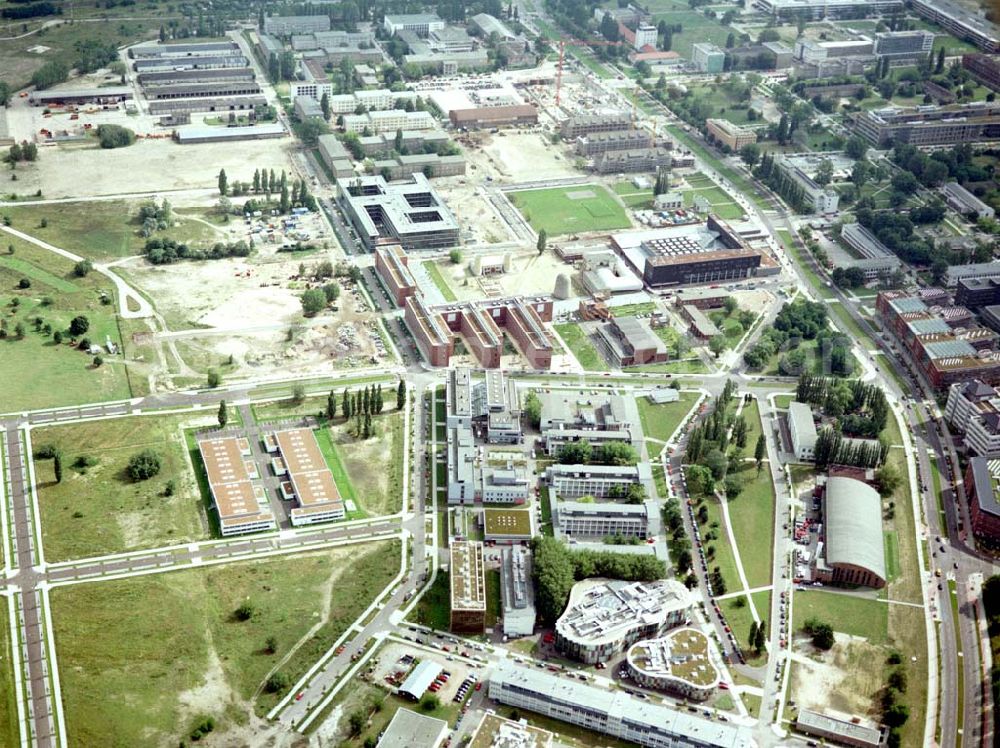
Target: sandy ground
x=841, y=679
x=511, y=157
x=531, y=274
x=480, y=222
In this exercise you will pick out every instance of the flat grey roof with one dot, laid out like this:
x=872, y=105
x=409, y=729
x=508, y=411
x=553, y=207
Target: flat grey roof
x=411, y=730
x=273, y=130
x=866, y=735
x=984, y=476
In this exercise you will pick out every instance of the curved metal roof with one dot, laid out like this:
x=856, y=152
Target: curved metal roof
x=854, y=525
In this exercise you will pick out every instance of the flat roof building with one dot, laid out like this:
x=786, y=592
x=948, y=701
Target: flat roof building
x=468, y=587
x=604, y=617
x=311, y=479
x=494, y=731
x=961, y=22
x=984, y=68
x=155, y=49
x=419, y=679
x=78, y=96
x=194, y=134
x=973, y=410
x=841, y=730
x=336, y=157
x=613, y=713
x=288, y=25
x=221, y=104
x=410, y=213
x=420, y=24
x=732, y=136
x=982, y=484
x=598, y=521
x=930, y=125
x=239, y=500
x=802, y=429
x=708, y=58
x=517, y=591
x=392, y=268
x=963, y=201
x=584, y=124
x=817, y=9
x=477, y=118
x=408, y=729
x=630, y=341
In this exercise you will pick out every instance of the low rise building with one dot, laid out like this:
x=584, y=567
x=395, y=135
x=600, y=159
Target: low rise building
x=598, y=412
x=629, y=341
x=494, y=731
x=408, y=728
x=963, y=201
x=984, y=68
x=599, y=481
x=309, y=480
x=974, y=292
x=802, y=429
x=982, y=486
x=603, y=618
x=852, y=551
x=980, y=270
x=238, y=498
x=814, y=10
x=500, y=410
x=904, y=47
x=478, y=118
x=421, y=24
x=732, y=136
x=288, y=25
x=708, y=58
x=599, y=521
x=504, y=485
x=507, y=525
x=877, y=259
x=597, y=143
x=194, y=134
x=556, y=439
x=930, y=125
x=613, y=713
x=960, y=21
x=633, y=161
x=842, y=730
x=388, y=120
x=112, y=95
x=702, y=327
x=584, y=124
x=678, y=662
x=517, y=591
x=467, y=572
x=800, y=169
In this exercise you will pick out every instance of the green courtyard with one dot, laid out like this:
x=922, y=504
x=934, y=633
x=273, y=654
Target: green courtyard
x=567, y=210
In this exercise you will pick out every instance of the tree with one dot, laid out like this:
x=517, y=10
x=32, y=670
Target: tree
x=313, y=301
x=752, y=637
x=430, y=702
x=223, y=415
x=856, y=147
x=824, y=173
x=731, y=40
x=143, y=465
x=298, y=394
x=114, y=136
x=761, y=639
x=718, y=344
x=543, y=238
x=455, y=256
x=887, y=480
x=400, y=395
x=939, y=65
x=244, y=612
x=357, y=721
x=57, y=467
x=214, y=378
x=821, y=633
x=285, y=203
x=276, y=682
x=81, y=268
x=760, y=451
x=324, y=104
x=750, y=154
x=57, y=337
x=78, y=326
x=98, y=362
x=331, y=406
x=223, y=182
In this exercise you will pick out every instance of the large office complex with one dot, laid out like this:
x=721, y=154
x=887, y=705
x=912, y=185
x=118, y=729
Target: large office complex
x=817, y=9
x=613, y=713
x=973, y=409
x=693, y=253
x=603, y=618
x=944, y=341
x=853, y=548
x=802, y=429
x=239, y=499
x=678, y=662
x=468, y=587
x=410, y=213
x=982, y=486
x=961, y=22
x=308, y=479
x=930, y=125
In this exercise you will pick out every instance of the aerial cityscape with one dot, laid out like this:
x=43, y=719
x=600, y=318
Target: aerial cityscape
x=499, y=373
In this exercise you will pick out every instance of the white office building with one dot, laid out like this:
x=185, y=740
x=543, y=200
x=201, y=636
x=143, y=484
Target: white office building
x=802, y=429
x=613, y=713
x=973, y=409
x=575, y=481
x=645, y=36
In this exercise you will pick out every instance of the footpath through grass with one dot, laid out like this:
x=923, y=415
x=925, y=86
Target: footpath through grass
x=660, y=421
x=168, y=649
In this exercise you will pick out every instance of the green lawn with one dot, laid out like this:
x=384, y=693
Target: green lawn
x=159, y=670
x=372, y=467
x=752, y=514
x=660, y=421
x=567, y=210
x=739, y=618
x=724, y=557
x=433, y=609
x=9, y=732
x=59, y=374
x=581, y=347
x=100, y=510
x=849, y=614
x=101, y=229
x=434, y=271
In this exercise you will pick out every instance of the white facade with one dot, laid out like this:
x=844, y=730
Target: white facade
x=645, y=36
x=574, y=481
x=802, y=430
x=388, y=120
x=311, y=89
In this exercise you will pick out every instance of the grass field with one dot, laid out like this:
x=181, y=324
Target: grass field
x=576, y=340
x=434, y=271
x=849, y=614
x=373, y=467
x=433, y=609
x=60, y=374
x=102, y=229
x=567, y=210
x=752, y=514
x=632, y=196
x=660, y=421
x=739, y=618
x=9, y=733
x=100, y=510
x=724, y=557
x=158, y=671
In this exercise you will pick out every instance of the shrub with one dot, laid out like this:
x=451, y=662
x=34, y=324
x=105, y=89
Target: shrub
x=276, y=683
x=143, y=465
x=115, y=136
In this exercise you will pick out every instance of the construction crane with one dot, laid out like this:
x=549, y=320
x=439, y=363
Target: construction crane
x=562, y=55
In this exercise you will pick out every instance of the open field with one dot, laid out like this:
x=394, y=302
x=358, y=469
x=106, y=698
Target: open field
x=59, y=374
x=567, y=210
x=373, y=467
x=99, y=509
x=159, y=671
x=848, y=614
x=739, y=618
x=433, y=609
x=103, y=229
x=752, y=514
x=724, y=557
x=660, y=421
x=577, y=341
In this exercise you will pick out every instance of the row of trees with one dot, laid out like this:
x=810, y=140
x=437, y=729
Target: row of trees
x=267, y=183
x=557, y=569
x=23, y=151
x=167, y=251
x=584, y=453
x=832, y=448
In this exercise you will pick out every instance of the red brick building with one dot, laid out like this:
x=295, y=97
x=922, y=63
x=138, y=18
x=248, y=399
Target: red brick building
x=429, y=331
x=392, y=268
x=981, y=485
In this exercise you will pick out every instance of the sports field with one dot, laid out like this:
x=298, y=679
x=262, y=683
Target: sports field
x=568, y=210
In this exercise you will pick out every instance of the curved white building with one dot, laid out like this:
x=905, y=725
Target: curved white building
x=677, y=662
x=604, y=617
